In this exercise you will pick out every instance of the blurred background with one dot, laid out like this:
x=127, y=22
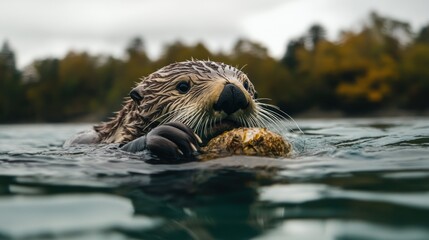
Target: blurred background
x=75, y=60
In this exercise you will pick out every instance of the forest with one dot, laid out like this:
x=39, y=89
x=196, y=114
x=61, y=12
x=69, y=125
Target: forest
x=383, y=65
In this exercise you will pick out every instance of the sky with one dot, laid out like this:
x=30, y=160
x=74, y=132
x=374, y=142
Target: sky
x=51, y=28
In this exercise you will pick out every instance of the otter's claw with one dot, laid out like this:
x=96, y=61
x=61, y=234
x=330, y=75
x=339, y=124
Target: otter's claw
x=170, y=142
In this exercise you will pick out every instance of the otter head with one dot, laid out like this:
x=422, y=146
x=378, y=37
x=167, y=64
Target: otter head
x=207, y=96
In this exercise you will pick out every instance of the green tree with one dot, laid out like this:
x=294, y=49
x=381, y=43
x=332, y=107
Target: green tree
x=412, y=91
x=290, y=59
x=178, y=51
x=83, y=81
x=11, y=94
x=423, y=36
x=316, y=33
x=128, y=72
x=271, y=79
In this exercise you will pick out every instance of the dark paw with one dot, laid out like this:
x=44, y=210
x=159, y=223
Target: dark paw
x=171, y=143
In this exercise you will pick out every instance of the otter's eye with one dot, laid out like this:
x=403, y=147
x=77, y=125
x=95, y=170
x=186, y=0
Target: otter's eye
x=246, y=85
x=183, y=87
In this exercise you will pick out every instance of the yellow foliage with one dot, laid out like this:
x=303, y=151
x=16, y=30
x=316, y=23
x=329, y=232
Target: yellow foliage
x=374, y=85
x=364, y=69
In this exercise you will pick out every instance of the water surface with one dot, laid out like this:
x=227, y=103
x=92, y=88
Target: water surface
x=347, y=179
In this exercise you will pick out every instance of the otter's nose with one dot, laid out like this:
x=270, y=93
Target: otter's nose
x=231, y=99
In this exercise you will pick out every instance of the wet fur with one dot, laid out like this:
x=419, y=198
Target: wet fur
x=162, y=102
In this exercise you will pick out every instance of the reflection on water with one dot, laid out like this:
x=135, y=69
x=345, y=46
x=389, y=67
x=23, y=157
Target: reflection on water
x=64, y=214
x=347, y=179
x=341, y=229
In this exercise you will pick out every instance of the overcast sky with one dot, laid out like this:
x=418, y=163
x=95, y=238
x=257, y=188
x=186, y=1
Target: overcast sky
x=41, y=28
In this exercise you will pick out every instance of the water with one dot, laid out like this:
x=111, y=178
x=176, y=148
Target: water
x=347, y=179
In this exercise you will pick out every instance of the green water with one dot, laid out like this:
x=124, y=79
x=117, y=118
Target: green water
x=347, y=179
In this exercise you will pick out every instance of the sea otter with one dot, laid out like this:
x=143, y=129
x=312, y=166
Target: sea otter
x=175, y=109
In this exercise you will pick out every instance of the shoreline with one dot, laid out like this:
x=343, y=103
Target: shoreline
x=309, y=114
x=316, y=113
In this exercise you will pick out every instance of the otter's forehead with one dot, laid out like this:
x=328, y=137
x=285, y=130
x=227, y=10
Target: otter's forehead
x=201, y=69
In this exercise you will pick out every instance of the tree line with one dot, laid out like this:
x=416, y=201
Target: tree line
x=383, y=65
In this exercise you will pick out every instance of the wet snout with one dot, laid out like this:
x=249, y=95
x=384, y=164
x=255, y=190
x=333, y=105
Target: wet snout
x=231, y=99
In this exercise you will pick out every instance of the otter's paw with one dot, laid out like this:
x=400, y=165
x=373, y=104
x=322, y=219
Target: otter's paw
x=171, y=142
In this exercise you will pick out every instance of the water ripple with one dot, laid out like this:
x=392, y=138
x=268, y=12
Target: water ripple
x=346, y=179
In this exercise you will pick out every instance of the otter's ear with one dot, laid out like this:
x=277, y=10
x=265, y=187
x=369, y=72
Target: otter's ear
x=136, y=94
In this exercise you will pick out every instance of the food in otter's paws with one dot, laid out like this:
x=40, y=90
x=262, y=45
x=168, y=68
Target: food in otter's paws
x=246, y=141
